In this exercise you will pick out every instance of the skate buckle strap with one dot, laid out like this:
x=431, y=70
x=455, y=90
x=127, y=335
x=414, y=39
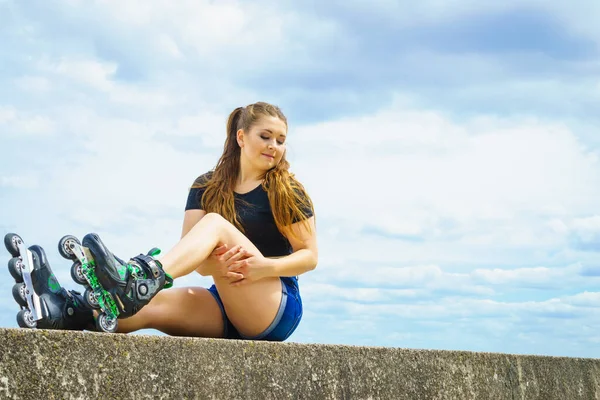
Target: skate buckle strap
x=155, y=268
x=151, y=263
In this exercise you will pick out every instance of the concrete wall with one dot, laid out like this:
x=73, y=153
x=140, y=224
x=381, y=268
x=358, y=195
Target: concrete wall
x=37, y=364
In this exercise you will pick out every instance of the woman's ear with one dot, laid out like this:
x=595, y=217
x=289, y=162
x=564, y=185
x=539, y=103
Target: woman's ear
x=240, y=137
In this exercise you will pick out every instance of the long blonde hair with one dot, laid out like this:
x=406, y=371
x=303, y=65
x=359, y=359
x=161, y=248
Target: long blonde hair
x=287, y=196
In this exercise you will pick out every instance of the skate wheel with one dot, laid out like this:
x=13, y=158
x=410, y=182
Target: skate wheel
x=25, y=319
x=105, y=324
x=10, y=242
x=19, y=294
x=77, y=274
x=15, y=267
x=64, y=246
x=89, y=297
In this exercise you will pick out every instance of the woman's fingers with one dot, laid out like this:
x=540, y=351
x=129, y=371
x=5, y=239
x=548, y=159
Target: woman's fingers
x=238, y=264
x=220, y=250
x=235, y=276
x=241, y=253
x=238, y=283
x=234, y=254
x=227, y=254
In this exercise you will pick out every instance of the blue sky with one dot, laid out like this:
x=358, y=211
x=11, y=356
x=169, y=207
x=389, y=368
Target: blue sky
x=451, y=152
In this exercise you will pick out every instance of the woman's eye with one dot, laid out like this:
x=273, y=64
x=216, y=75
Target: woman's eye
x=267, y=138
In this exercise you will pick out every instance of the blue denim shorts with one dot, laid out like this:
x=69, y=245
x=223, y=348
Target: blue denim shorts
x=285, y=323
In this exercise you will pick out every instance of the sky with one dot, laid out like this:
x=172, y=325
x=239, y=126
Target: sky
x=451, y=150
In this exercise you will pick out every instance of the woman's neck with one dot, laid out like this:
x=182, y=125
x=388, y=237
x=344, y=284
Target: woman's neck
x=248, y=175
x=248, y=178
x=246, y=183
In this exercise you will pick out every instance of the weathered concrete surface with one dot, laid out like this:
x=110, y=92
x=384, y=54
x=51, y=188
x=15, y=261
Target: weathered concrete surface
x=38, y=364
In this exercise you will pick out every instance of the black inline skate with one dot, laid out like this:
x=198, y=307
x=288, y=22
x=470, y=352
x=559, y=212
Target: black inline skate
x=116, y=288
x=44, y=303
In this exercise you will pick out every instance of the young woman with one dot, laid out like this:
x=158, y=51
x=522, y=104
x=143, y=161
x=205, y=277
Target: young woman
x=249, y=224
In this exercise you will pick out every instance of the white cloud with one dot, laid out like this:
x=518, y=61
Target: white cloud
x=93, y=73
x=369, y=295
x=583, y=232
x=554, y=92
x=587, y=228
x=499, y=276
x=99, y=76
x=14, y=122
x=430, y=281
x=586, y=299
x=7, y=114
x=209, y=127
x=19, y=182
x=33, y=84
x=211, y=35
x=451, y=308
x=424, y=169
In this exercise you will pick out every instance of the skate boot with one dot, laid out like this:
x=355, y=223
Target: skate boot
x=44, y=303
x=117, y=288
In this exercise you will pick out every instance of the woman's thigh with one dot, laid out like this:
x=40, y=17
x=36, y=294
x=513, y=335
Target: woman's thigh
x=188, y=311
x=251, y=307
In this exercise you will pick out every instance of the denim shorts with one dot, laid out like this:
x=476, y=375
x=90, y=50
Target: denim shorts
x=285, y=323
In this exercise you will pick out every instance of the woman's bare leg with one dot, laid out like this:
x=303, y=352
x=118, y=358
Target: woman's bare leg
x=190, y=311
x=251, y=307
x=196, y=246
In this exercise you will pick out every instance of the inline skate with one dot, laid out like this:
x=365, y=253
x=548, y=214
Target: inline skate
x=116, y=288
x=44, y=303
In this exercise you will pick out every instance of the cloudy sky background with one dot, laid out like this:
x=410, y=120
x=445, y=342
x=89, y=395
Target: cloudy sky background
x=451, y=151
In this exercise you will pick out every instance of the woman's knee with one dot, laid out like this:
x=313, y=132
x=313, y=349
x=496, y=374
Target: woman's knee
x=220, y=226
x=158, y=300
x=213, y=217
x=215, y=221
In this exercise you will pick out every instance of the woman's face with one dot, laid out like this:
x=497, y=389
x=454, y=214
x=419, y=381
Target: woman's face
x=263, y=146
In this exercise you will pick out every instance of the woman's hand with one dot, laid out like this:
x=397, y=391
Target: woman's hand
x=221, y=259
x=252, y=268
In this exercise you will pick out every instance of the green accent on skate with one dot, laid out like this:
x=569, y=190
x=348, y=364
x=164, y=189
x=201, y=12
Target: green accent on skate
x=155, y=251
x=122, y=271
x=53, y=284
x=168, y=282
x=105, y=299
x=134, y=270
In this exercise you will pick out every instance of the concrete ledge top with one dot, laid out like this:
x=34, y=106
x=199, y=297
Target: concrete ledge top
x=40, y=364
